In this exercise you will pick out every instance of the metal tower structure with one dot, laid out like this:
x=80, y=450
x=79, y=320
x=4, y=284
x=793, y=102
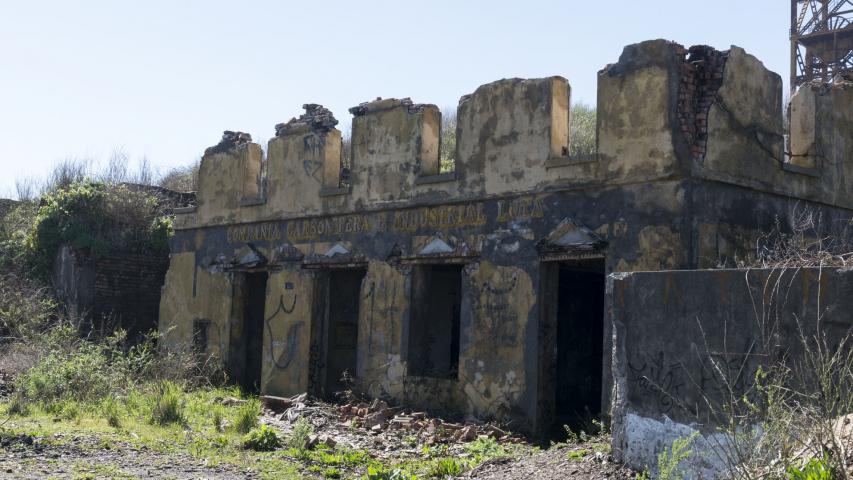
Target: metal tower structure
x=821, y=40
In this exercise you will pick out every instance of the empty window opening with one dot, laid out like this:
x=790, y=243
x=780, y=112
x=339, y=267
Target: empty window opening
x=580, y=337
x=344, y=296
x=246, y=338
x=434, y=328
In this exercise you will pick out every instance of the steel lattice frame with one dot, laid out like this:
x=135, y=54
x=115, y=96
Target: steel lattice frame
x=821, y=40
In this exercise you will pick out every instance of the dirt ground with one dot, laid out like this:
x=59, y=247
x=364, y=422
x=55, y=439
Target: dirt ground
x=77, y=458
x=85, y=457
x=554, y=463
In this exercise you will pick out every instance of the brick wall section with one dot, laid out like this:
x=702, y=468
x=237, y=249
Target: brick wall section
x=127, y=290
x=701, y=78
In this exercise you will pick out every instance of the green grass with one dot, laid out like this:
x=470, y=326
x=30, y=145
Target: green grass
x=200, y=426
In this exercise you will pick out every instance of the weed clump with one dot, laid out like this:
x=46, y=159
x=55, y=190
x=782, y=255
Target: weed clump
x=247, y=416
x=110, y=409
x=262, y=439
x=168, y=405
x=302, y=429
x=447, y=467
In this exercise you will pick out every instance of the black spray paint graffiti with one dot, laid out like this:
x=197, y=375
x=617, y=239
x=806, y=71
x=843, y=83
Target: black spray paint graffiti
x=652, y=374
x=283, y=358
x=501, y=317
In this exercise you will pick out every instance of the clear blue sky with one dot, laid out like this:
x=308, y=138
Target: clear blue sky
x=163, y=79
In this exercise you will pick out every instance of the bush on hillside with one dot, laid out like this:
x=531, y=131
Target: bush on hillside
x=97, y=218
x=582, y=130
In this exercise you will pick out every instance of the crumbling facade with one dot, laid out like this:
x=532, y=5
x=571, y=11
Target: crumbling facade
x=482, y=290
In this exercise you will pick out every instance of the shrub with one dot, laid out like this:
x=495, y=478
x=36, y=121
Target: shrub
x=247, y=416
x=82, y=375
x=181, y=179
x=669, y=460
x=18, y=405
x=447, y=148
x=486, y=447
x=262, y=439
x=26, y=308
x=582, y=130
x=302, y=429
x=814, y=469
x=331, y=472
x=97, y=218
x=380, y=472
x=168, y=404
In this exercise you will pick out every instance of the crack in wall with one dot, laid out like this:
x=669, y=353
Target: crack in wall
x=701, y=78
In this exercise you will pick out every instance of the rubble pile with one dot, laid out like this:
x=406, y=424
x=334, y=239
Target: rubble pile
x=366, y=424
x=229, y=140
x=316, y=117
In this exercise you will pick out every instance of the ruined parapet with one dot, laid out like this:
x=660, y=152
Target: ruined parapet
x=636, y=112
x=509, y=130
x=653, y=108
x=665, y=111
x=821, y=119
x=394, y=141
x=304, y=161
x=745, y=124
x=229, y=176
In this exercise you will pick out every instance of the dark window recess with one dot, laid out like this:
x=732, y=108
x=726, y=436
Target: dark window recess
x=434, y=328
x=341, y=351
x=256, y=297
x=580, y=338
x=200, y=335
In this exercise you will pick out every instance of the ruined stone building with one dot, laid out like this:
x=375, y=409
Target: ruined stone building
x=119, y=288
x=482, y=290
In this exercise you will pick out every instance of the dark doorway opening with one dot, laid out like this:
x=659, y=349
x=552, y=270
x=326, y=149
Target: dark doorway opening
x=247, y=334
x=434, y=329
x=580, y=339
x=344, y=296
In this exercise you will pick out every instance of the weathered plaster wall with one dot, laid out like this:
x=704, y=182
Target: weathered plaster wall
x=507, y=132
x=637, y=100
x=494, y=362
x=381, y=330
x=664, y=382
x=193, y=293
x=288, y=313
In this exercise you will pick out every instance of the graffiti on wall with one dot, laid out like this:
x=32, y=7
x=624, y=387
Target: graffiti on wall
x=500, y=314
x=283, y=352
x=657, y=376
x=712, y=376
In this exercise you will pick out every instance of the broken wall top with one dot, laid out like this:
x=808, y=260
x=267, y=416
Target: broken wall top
x=664, y=112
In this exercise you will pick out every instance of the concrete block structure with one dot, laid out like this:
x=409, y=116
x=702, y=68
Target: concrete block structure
x=721, y=327
x=482, y=290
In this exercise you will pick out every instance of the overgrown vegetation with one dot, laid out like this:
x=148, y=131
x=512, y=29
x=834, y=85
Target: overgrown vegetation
x=97, y=218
